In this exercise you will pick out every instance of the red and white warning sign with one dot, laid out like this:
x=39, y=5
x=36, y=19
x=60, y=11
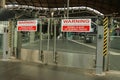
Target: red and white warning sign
x=76, y=25
x=27, y=25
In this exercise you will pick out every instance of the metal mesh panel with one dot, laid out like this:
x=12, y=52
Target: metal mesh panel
x=114, y=44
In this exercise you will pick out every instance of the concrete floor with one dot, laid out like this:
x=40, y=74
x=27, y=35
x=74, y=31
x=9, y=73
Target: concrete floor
x=36, y=71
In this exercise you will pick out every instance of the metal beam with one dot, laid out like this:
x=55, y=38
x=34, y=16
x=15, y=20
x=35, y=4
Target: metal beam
x=10, y=1
x=18, y=2
x=32, y=3
x=64, y=3
x=78, y=1
x=56, y=4
x=25, y=2
x=86, y=3
x=48, y=4
x=68, y=1
x=40, y=4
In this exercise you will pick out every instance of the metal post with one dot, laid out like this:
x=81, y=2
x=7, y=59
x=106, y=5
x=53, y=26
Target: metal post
x=40, y=48
x=54, y=46
x=15, y=38
x=19, y=45
x=51, y=29
x=68, y=3
x=109, y=34
x=64, y=12
x=99, y=56
x=10, y=38
x=68, y=8
x=48, y=34
x=32, y=37
x=99, y=52
x=107, y=57
x=64, y=34
x=105, y=43
x=12, y=34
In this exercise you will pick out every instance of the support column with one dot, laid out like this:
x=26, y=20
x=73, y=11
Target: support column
x=68, y=34
x=19, y=45
x=102, y=47
x=68, y=2
x=41, y=55
x=105, y=43
x=99, y=56
x=54, y=46
x=51, y=24
x=99, y=52
x=10, y=38
x=48, y=41
x=14, y=39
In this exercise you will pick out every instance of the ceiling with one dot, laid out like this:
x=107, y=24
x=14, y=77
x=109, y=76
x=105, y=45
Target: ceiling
x=104, y=6
x=107, y=7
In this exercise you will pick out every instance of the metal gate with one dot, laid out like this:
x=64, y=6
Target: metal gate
x=49, y=45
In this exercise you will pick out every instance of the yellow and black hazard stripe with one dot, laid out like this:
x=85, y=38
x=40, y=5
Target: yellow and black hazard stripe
x=10, y=33
x=105, y=41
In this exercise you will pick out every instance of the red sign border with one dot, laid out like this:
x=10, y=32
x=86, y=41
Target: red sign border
x=75, y=25
x=27, y=26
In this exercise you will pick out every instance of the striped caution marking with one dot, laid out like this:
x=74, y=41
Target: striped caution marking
x=9, y=34
x=105, y=41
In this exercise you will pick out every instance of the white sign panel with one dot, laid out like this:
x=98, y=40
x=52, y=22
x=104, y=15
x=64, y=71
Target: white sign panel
x=76, y=25
x=27, y=25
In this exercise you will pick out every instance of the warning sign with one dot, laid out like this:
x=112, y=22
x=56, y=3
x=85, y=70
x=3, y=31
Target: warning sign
x=76, y=25
x=27, y=25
